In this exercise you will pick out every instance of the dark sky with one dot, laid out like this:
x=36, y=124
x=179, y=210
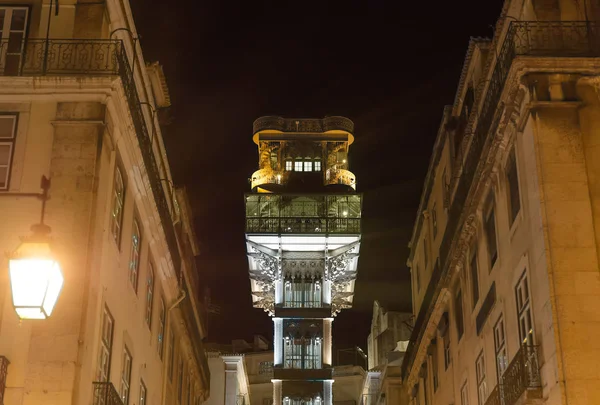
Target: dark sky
x=390, y=66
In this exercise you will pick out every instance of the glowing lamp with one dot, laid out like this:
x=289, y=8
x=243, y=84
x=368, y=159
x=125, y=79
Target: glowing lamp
x=35, y=280
x=35, y=275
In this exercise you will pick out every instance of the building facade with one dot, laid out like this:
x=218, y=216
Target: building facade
x=504, y=252
x=303, y=238
x=77, y=106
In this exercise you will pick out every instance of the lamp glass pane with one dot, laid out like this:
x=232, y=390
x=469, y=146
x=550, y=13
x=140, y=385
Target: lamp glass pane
x=55, y=283
x=30, y=313
x=29, y=281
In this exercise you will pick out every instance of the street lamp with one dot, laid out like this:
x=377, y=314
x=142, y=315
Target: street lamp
x=35, y=275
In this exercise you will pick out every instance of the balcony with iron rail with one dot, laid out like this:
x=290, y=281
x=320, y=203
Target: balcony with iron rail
x=105, y=393
x=95, y=57
x=521, y=382
x=541, y=39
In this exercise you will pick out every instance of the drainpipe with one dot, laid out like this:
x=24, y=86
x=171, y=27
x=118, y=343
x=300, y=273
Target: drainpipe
x=182, y=296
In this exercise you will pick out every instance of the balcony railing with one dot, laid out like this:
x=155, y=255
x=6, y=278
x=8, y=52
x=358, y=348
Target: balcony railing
x=96, y=57
x=522, y=374
x=303, y=225
x=523, y=38
x=495, y=397
x=106, y=394
x=340, y=176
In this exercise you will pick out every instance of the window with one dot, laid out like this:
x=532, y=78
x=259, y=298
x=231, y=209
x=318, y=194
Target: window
x=116, y=212
x=274, y=158
x=106, y=340
x=13, y=26
x=302, y=293
x=134, y=259
x=481, y=384
x=425, y=255
x=447, y=352
x=171, y=355
x=524, y=310
x=445, y=187
x=490, y=231
x=474, y=275
x=302, y=345
x=458, y=314
x=433, y=357
x=288, y=165
x=418, y=279
x=8, y=132
x=298, y=165
x=180, y=379
x=161, y=328
x=317, y=165
x=188, y=400
x=464, y=394
x=149, y=295
x=434, y=223
x=512, y=177
x=500, y=348
x=308, y=166
x=125, y=376
x=143, y=393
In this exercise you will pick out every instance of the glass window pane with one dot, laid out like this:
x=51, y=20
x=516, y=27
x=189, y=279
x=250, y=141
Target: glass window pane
x=7, y=125
x=5, y=150
x=19, y=17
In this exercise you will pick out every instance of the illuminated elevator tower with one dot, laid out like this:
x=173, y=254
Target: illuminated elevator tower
x=303, y=239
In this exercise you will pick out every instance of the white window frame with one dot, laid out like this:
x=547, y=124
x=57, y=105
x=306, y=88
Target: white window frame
x=289, y=165
x=126, y=375
x=135, y=254
x=500, y=347
x=161, y=329
x=7, y=32
x=118, y=200
x=149, y=295
x=8, y=142
x=524, y=312
x=143, y=393
x=317, y=165
x=298, y=165
x=308, y=166
x=481, y=381
x=106, y=340
x=464, y=394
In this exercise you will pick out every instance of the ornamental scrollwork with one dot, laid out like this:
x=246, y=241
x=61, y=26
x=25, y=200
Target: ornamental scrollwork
x=335, y=267
x=269, y=267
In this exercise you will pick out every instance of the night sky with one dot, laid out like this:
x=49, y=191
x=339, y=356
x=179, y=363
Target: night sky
x=390, y=66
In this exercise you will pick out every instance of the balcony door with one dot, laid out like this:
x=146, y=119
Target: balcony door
x=13, y=30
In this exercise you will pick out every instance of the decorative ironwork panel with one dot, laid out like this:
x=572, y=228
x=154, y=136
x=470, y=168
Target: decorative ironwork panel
x=105, y=394
x=523, y=38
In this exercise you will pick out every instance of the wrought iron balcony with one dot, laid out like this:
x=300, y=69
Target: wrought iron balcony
x=105, y=394
x=39, y=57
x=95, y=57
x=265, y=176
x=523, y=38
x=495, y=397
x=340, y=176
x=522, y=374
